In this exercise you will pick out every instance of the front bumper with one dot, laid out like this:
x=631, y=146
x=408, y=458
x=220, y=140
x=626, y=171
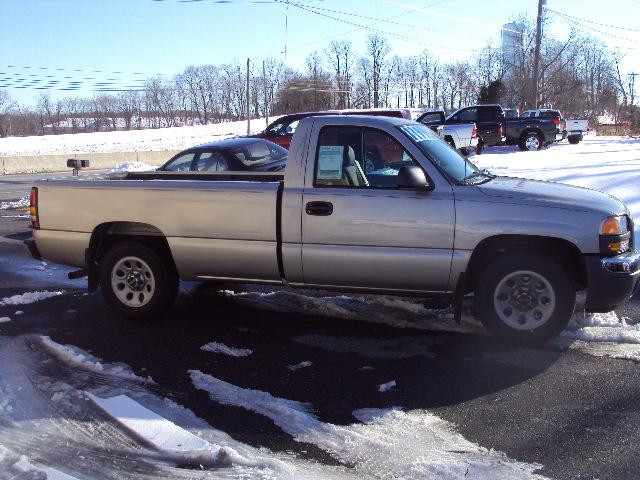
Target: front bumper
x=611, y=281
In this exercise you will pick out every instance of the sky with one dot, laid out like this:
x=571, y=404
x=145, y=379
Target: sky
x=86, y=45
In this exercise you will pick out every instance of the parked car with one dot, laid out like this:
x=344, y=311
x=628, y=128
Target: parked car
x=366, y=204
x=463, y=137
x=233, y=154
x=528, y=133
x=281, y=130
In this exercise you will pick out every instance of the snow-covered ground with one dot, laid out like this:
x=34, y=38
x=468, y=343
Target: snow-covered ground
x=160, y=139
x=65, y=415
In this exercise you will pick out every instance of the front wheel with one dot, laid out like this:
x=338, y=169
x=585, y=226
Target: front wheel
x=525, y=297
x=530, y=142
x=136, y=282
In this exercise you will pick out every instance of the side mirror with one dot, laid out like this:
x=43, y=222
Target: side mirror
x=413, y=177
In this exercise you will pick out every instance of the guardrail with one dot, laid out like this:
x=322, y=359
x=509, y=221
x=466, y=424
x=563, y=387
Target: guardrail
x=98, y=161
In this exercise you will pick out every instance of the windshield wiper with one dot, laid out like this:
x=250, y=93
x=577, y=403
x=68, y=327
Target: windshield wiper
x=479, y=173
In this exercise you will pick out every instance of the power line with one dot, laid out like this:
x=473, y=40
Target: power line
x=445, y=15
x=591, y=21
x=574, y=20
x=406, y=38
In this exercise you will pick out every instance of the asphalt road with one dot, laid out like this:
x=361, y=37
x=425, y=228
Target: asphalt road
x=14, y=187
x=575, y=414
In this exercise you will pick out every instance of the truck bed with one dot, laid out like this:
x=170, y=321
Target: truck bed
x=205, y=176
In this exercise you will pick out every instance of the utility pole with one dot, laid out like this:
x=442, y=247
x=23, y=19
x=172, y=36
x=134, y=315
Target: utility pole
x=264, y=89
x=248, y=103
x=632, y=85
x=536, y=56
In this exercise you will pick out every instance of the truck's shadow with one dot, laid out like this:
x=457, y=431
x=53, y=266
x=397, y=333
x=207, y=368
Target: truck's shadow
x=350, y=359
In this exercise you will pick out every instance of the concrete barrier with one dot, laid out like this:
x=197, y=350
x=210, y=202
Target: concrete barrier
x=98, y=161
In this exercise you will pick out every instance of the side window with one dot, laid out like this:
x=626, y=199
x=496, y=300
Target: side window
x=180, y=164
x=339, y=158
x=469, y=115
x=357, y=157
x=208, y=161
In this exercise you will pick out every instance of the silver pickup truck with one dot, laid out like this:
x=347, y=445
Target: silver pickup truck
x=366, y=204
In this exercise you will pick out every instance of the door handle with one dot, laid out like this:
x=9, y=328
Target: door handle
x=322, y=209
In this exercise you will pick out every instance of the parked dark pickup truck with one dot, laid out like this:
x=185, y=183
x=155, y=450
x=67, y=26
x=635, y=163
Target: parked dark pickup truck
x=495, y=129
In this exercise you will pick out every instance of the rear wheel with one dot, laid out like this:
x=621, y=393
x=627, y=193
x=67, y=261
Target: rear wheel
x=136, y=282
x=573, y=140
x=525, y=297
x=479, y=147
x=530, y=142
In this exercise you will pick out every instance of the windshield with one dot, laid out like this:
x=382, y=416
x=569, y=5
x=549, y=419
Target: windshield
x=259, y=152
x=448, y=159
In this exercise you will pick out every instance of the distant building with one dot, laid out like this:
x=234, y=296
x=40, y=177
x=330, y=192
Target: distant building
x=511, y=44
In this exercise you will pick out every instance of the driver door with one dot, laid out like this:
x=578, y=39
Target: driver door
x=359, y=230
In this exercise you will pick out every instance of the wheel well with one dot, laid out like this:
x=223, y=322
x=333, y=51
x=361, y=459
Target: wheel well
x=107, y=235
x=563, y=252
x=531, y=130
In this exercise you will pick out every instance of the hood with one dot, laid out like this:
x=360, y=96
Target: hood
x=559, y=195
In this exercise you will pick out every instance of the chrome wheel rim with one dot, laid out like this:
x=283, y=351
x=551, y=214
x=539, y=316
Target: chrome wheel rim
x=524, y=300
x=132, y=282
x=532, y=143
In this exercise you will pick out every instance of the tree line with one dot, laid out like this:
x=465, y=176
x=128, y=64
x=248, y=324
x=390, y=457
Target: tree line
x=578, y=76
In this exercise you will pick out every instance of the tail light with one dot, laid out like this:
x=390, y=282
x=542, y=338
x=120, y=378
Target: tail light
x=33, y=208
x=556, y=121
x=474, y=132
x=500, y=131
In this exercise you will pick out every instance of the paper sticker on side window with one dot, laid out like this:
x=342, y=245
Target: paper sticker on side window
x=330, y=162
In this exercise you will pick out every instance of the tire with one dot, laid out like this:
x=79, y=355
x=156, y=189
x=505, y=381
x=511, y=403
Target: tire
x=530, y=142
x=464, y=151
x=573, y=140
x=479, y=147
x=544, y=304
x=137, y=283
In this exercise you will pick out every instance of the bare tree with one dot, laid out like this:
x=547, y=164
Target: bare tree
x=7, y=106
x=378, y=49
x=341, y=59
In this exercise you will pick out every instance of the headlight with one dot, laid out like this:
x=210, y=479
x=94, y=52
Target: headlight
x=614, y=225
x=615, y=236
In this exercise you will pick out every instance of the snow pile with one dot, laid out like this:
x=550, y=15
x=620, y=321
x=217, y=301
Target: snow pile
x=391, y=443
x=22, y=203
x=216, y=347
x=393, y=311
x=603, y=335
x=131, y=167
x=152, y=140
x=173, y=441
x=385, y=387
x=29, y=297
x=24, y=466
x=300, y=365
x=78, y=357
